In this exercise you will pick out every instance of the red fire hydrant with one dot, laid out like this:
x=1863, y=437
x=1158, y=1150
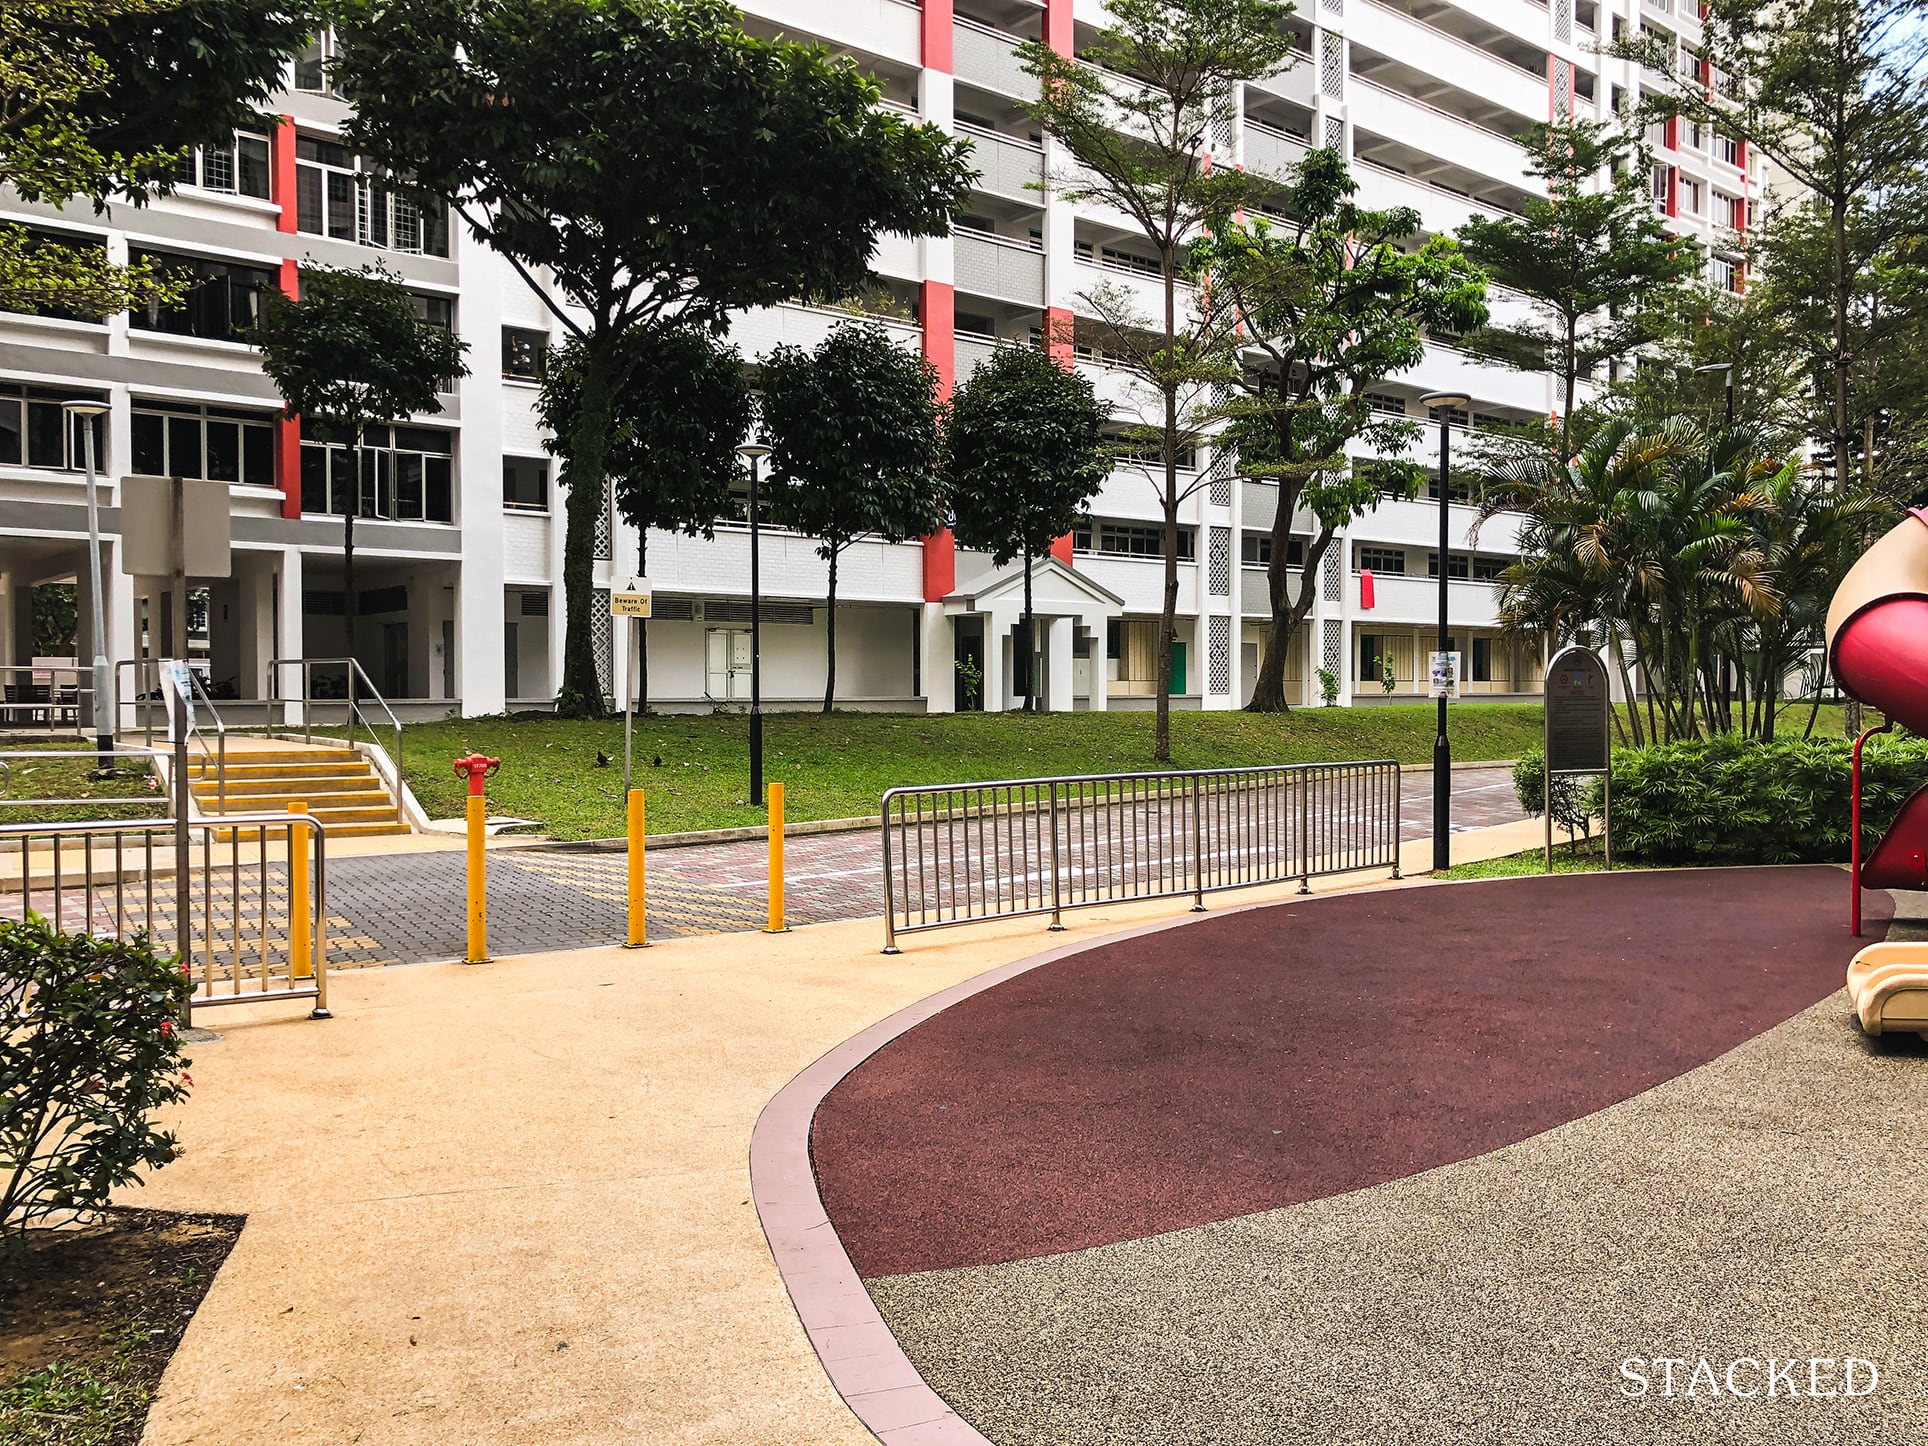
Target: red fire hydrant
x=478, y=767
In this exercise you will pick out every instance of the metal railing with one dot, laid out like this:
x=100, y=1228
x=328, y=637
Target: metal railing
x=959, y=853
x=353, y=699
x=146, y=696
x=243, y=900
x=88, y=756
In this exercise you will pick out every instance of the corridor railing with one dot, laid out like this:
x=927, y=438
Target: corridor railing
x=242, y=900
x=959, y=853
x=358, y=692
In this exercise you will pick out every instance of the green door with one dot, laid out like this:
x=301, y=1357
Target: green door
x=1178, y=667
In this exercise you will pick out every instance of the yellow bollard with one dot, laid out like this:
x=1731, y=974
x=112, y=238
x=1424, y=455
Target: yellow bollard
x=301, y=963
x=478, y=881
x=776, y=860
x=638, y=917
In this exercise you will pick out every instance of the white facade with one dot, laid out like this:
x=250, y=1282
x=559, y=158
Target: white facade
x=459, y=578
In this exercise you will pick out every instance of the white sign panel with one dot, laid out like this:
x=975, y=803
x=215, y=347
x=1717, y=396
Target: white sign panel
x=1443, y=673
x=147, y=527
x=178, y=690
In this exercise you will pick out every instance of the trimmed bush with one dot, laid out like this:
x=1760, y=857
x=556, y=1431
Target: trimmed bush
x=1576, y=798
x=90, y=1046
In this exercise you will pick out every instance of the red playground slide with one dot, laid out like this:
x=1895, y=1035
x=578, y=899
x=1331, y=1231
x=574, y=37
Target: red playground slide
x=1877, y=633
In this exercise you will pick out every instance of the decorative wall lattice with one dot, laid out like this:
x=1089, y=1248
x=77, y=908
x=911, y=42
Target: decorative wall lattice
x=1332, y=63
x=605, y=532
x=1220, y=576
x=1220, y=650
x=1563, y=21
x=1335, y=6
x=1330, y=651
x=1335, y=134
x=1330, y=587
x=602, y=637
x=1562, y=88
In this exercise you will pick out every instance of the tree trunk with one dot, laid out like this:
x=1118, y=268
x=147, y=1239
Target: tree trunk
x=830, y=634
x=1619, y=651
x=585, y=475
x=348, y=601
x=1288, y=616
x=1570, y=376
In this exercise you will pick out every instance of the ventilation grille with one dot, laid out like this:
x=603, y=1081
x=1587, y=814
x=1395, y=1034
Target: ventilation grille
x=1330, y=651
x=731, y=611
x=1220, y=572
x=535, y=604
x=1335, y=134
x=1221, y=653
x=602, y=637
x=672, y=610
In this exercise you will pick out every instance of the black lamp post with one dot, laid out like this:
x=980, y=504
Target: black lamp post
x=754, y=453
x=1442, y=404
x=1726, y=368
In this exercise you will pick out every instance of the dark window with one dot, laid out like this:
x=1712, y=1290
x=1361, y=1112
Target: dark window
x=223, y=301
x=149, y=444
x=405, y=475
x=238, y=165
x=524, y=353
x=1482, y=662
x=35, y=431
x=37, y=237
x=1255, y=550
x=1382, y=559
x=525, y=484
x=1128, y=539
x=1488, y=569
x=181, y=440
x=1457, y=565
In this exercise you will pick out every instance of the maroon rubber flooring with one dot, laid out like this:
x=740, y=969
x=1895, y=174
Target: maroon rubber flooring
x=1284, y=1054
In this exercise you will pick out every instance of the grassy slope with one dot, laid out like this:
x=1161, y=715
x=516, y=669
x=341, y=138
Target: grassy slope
x=839, y=766
x=71, y=776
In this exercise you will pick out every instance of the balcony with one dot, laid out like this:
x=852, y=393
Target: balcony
x=1478, y=148
x=1006, y=167
x=985, y=57
x=1004, y=270
x=1403, y=598
x=1270, y=151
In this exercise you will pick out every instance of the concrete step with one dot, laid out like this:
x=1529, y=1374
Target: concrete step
x=335, y=830
x=289, y=787
x=281, y=757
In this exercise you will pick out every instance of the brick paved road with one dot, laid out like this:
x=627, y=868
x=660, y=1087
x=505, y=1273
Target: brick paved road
x=409, y=908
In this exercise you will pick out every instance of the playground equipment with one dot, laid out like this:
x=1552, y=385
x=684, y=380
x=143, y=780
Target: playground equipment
x=1877, y=632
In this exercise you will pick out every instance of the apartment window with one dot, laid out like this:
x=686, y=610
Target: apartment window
x=1117, y=259
x=405, y=474
x=1730, y=211
x=34, y=432
x=1383, y=560
x=525, y=354
x=1255, y=550
x=1488, y=569
x=525, y=484
x=336, y=196
x=1693, y=196
x=36, y=238
x=1480, y=665
x=311, y=65
x=1692, y=136
x=222, y=303
x=1374, y=651
x=1148, y=454
x=1387, y=402
x=1462, y=488
x=1663, y=185
x=182, y=440
x=1126, y=539
x=238, y=166
x=1727, y=150
x=1458, y=565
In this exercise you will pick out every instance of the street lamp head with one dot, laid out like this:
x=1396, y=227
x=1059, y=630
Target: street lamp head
x=1435, y=401
x=85, y=407
x=1727, y=367
x=753, y=451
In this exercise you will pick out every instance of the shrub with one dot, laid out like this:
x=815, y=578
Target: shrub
x=1329, y=687
x=1576, y=799
x=1731, y=800
x=90, y=1046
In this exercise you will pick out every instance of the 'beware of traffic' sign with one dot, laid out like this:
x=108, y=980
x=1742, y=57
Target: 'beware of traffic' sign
x=631, y=601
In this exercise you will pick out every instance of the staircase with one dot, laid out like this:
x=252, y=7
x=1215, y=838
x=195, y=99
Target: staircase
x=340, y=787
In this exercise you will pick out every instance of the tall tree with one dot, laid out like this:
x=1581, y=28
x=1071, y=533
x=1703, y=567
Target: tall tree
x=852, y=429
x=1835, y=94
x=657, y=162
x=100, y=99
x=674, y=428
x=349, y=354
x=1592, y=259
x=1331, y=303
x=1135, y=112
x=1024, y=452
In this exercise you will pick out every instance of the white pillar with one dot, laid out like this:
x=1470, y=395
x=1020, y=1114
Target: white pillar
x=1057, y=657
x=479, y=615
x=289, y=641
x=991, y=690
x=939, y=664
x=1100, y=700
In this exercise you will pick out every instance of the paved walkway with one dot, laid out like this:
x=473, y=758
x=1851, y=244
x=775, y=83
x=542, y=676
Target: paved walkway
x=410, y=908
x=510, y=1203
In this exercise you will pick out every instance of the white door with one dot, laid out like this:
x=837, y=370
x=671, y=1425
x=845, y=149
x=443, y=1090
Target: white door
x=727, y=664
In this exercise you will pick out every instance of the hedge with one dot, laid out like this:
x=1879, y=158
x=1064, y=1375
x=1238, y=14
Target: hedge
x=1730, y=800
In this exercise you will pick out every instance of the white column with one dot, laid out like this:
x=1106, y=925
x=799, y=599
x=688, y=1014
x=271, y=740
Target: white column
x=478, y=580
x=289, y=642
x=1057, y=656
x=1100, y=700
x=995, y=642
x=939, y=665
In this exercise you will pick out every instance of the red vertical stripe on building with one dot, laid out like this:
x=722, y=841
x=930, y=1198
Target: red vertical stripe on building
x=1673, y=189
x=1058, y=341
x=937, y=34
x=1057, y=25
x=281, y=172
x=287, y=430
x=939, y=314
x=1670, y=137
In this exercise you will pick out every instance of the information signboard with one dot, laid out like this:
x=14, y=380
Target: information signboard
x=1443, y=676
x=1577, y=699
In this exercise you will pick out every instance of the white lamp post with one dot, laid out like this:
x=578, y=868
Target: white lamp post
x=85, y=410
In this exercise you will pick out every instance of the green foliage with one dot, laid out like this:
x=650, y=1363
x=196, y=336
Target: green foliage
x=853, y=436
x=1329, y=687
x=1388, y=675
x=56, y=620
x=1023, y=453
x=1729, y=800
x=661, y=163
x=1593, y=259
x=99, y=99
x=351, y=352
x=681, y=408
x=103, y=1402
x=1334, y=302
x=1576, y=800
x=89, y=1048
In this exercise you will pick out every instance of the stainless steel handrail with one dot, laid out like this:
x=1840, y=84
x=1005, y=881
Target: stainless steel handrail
x=98, y=901
x=146, y=694
x=960, y=853
x=43, y=755
x=308, y=700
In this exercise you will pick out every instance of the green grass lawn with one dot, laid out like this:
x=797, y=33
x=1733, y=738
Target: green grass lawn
x=60, y=772
x=1533, y=861
x=839, y=766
